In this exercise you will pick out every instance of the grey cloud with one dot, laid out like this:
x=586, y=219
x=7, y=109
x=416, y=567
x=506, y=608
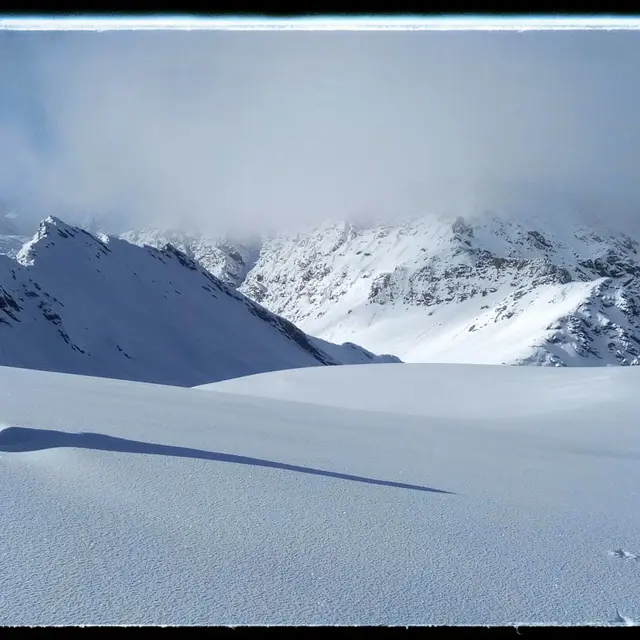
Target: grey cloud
x=236, y=131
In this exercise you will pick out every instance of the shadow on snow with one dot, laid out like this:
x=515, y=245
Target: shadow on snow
x=22, y=439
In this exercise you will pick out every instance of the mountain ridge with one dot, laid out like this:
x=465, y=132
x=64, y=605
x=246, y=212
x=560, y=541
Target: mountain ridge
x=546, y=289
x=413, y=287
x=98, y=305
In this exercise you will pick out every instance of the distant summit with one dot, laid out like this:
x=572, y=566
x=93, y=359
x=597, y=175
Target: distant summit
x=548, y=291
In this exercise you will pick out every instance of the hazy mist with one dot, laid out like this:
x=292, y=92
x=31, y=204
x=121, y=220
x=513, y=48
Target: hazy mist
x=247, y=131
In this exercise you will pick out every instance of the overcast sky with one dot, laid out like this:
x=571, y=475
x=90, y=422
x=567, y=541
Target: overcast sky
x=247, y=130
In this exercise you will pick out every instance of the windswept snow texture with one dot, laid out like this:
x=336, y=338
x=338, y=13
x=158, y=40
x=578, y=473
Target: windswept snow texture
x=76, y=303
x=495, y=495
x=495, y=290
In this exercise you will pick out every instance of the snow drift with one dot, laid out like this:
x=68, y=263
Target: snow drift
x=426, y=494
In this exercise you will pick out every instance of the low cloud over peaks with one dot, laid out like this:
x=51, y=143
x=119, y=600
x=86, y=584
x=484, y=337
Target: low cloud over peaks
x=243, y=131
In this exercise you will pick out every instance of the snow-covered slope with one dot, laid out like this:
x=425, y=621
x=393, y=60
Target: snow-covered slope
x=228, y=260
x=508, y=496
x=525, y=290
x=76, y=303
x=442, y=390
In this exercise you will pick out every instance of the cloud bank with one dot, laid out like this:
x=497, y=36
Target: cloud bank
x=250, y=131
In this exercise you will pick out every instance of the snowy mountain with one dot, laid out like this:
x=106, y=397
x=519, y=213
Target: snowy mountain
x=525, y=290
x=76, y=303
x=377, y=495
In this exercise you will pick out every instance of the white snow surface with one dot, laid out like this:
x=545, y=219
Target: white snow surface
x=393, y=495
x=76, y=303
